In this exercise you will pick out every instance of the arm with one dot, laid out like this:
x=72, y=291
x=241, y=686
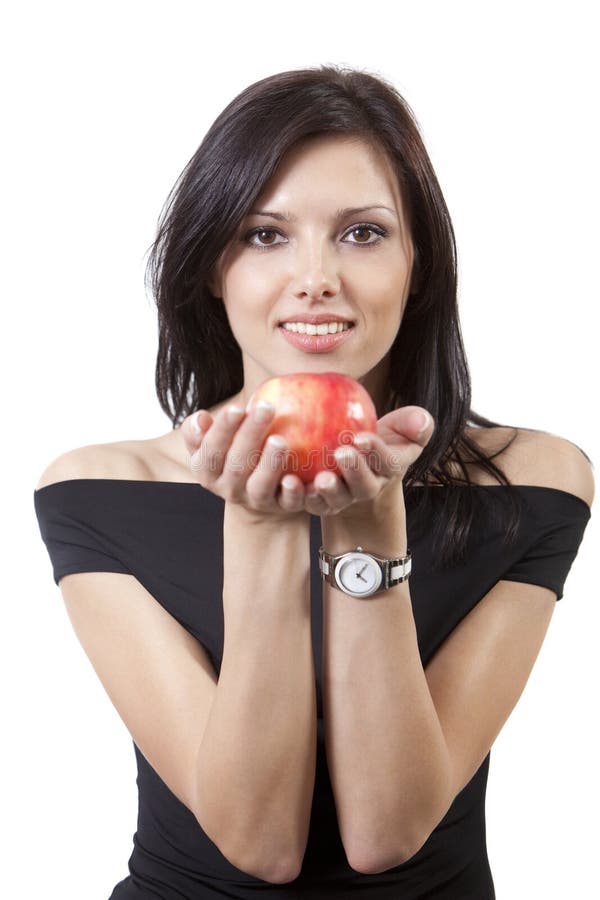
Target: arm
x=256, y=763
x=424, y=733
x=385, y=747
x=239, y=750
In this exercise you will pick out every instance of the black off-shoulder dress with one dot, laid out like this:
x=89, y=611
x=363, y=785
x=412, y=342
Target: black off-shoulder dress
x=170, y=537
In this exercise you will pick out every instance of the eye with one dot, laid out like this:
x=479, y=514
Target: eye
x=365, y=227
x=261, y=231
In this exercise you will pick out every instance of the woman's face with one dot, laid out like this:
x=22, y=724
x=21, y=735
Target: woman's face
x=301, y=256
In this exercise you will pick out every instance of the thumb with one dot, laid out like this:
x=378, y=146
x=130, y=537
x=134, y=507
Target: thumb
x=409, y=424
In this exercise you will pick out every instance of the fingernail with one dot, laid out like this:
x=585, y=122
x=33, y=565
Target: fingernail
x=263, y=411
x=423, y=419
x=234, y=413
x=196, y=425
x=344, y=455
x=326, y=481
x=362, y=441
x=277, y=442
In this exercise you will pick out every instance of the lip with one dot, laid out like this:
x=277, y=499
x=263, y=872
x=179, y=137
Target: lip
x=315, y=319
x=316, y=343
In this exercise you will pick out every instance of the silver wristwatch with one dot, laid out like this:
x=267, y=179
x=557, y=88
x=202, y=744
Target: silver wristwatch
x=361, y=574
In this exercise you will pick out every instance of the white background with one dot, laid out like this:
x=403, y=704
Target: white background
x=104, y=104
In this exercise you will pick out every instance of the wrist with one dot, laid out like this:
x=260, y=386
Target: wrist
x=274, y=522
x=266, y=565
x=378, y=527
x=387, y=502
x=384, y=544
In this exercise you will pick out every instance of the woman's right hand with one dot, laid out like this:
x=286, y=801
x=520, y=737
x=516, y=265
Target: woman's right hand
x=228, y=458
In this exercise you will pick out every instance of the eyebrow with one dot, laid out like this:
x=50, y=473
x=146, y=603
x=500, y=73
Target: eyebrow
x=340, y=214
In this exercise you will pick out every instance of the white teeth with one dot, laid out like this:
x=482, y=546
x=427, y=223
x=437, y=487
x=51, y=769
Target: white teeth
x=324, y=328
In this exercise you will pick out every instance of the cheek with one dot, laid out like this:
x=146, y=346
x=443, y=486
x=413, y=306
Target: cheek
x=384, y=286
x=249, y=281
x=385, y=268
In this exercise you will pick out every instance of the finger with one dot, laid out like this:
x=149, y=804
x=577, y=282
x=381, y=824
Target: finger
x=291, y=495
x=247, y=448
x=263, y=483
x=383, y=459
x=333, y=490
x=360, y=480
x=208, y=460
x=193, y=429
x=220, y=456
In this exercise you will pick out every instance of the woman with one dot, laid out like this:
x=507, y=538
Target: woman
x=292, y=738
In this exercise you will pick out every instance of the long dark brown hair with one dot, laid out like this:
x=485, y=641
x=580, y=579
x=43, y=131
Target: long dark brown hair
x=199, y=362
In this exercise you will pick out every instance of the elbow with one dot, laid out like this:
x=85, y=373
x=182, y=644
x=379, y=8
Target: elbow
x=273, y=862
x=373, y=856
x=369, y=858
x=279, y=869
x=375, y=863
x=271, y=852
x=281, y=872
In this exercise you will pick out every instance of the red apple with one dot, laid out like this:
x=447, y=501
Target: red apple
x=316, y=412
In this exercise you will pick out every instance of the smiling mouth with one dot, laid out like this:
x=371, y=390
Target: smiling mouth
x=317, y=343
x=324, y=329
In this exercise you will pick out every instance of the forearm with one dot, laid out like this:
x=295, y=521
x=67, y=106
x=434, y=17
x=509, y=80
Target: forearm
x=258, y=754
x=385, y=747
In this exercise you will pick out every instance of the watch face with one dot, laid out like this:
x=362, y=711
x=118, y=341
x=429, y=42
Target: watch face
x=358, y=575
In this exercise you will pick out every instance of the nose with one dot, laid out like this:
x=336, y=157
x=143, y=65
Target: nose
x=315, y=271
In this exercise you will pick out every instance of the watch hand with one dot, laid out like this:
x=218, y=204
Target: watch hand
x=359, y=574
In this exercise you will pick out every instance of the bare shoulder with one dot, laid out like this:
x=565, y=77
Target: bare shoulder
x=538, y=458
x=119, y=460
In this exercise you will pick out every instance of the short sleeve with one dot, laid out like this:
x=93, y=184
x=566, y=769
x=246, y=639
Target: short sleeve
x=77, y=533
x=557, y=529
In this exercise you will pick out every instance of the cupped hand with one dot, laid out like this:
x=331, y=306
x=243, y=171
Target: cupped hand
x=231, y=458
x=375, y=465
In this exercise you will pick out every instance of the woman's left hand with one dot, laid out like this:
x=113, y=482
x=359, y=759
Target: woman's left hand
x=371, y=470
